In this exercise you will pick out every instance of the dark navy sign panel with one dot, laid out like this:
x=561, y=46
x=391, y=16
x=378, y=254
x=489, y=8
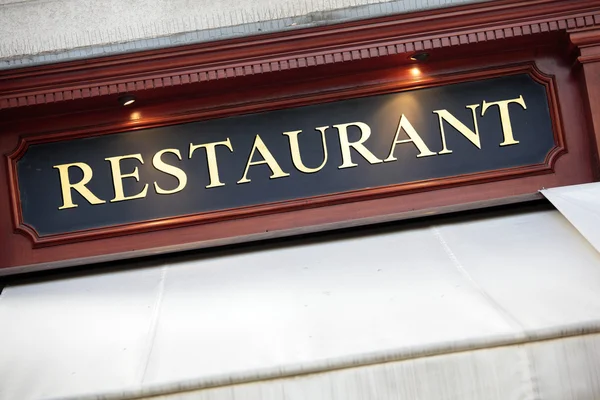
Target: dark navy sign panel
x=40, y=186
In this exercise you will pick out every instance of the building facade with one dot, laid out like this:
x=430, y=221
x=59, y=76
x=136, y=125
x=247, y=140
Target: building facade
x=283, y=200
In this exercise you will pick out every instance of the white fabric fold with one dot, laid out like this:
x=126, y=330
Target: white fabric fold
x=453, y=308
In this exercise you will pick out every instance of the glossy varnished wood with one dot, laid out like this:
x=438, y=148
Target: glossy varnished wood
x=287, y=206
x=588, y=68
x=546, y=55
x=394, y=36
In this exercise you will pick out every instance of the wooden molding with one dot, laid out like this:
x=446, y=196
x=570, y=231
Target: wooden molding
x=587, y=43
x=305, y=203
x=303, y=67
x=393, y=36
x=586, y=38
x=587, y=53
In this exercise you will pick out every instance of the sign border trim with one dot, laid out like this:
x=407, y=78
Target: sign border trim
x=297, y=204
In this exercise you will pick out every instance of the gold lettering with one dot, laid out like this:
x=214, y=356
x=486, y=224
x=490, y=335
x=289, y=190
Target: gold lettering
x=118, y=176
x=295, y=151
x=66, y=185
x=211, y=158
x=268, y=159
x=162, y=166
x=505, y=117
x=444, y=115
x=345, y=144
x=414, y=138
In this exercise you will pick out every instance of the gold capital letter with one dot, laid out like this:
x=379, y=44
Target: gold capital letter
x=345, y=145
x=162, y=166
x=66, y=185
x=505, y=117
x=295, y=151
x=211, y=158
x=444, y=115
x=268, y=159
x=115, y=165
x=414, y=138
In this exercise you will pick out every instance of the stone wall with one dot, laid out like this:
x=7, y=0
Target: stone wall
x=44, y=31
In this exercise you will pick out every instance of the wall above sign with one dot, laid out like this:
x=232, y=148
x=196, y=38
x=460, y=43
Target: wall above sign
x=294, y=158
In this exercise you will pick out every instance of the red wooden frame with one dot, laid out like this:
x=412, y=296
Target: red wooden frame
x=304, y=203
x=297, y=68
x=264, y=54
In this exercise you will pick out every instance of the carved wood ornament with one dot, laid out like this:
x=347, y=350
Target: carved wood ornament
x=556, y=42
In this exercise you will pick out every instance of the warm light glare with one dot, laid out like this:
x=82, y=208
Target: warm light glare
x=135, y=115
x=415, y=71
x=127, y=100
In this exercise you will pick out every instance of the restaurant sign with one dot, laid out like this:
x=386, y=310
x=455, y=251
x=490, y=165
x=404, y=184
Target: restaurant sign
x=282, y=158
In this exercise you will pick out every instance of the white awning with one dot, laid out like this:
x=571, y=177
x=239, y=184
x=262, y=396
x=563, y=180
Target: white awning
x=497, y=305
x=580, y=204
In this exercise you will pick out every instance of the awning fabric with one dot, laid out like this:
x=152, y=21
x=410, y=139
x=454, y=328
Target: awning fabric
x=580, y=204
x=501, y=305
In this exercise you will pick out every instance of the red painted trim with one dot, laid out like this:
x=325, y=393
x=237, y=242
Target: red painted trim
x=304, y=203
x=587, y=49
x=350, y=60
x=398, y=36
